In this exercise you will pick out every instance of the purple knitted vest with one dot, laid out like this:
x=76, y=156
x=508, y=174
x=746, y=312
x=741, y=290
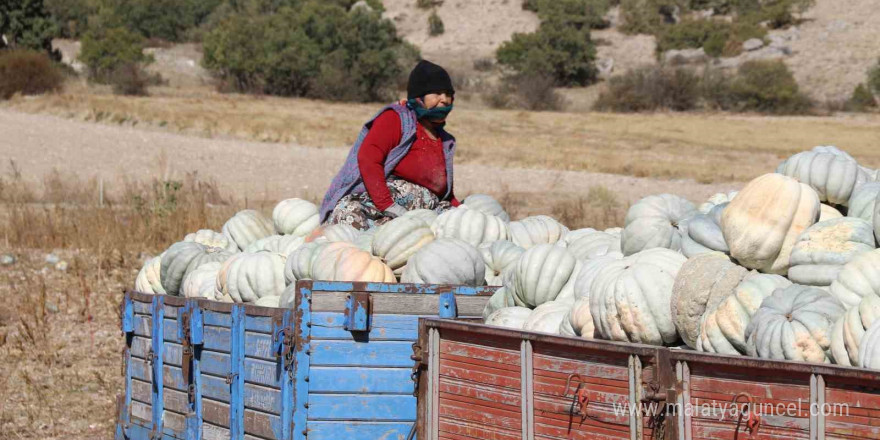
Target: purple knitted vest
x=349, y=180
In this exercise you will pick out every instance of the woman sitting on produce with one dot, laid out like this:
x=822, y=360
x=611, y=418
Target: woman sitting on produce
x=402, y=159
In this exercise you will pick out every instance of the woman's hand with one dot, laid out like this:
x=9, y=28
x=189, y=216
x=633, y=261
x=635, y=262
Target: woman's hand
x=394, y=211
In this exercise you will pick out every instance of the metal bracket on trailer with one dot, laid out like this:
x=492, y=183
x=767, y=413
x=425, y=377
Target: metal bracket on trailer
x=358, y=310
x=124, y=402
x=191, y=333
x=447, y=308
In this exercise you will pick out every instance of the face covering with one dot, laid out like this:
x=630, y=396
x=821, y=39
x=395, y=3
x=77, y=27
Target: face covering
x=433, y=114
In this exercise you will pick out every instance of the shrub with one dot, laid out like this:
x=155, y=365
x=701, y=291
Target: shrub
x=428, y=4
x=129, y=79
x=861, y=99
x=314, y=49
x=27, y=72
x=435, y=24
x=26, y=24
x=874, y=79
x=104, y=51
x=483, y=64
x=71, y=16
x=169, y=20
x=708, y=34
x=777, y=13
x=577, y=13
x=646, y=16
x=651, y=88
x=527, y=92
x=760, y=86
x=563, y=53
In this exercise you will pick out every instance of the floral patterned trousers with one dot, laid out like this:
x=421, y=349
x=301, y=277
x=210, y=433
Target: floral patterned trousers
x=359, y=211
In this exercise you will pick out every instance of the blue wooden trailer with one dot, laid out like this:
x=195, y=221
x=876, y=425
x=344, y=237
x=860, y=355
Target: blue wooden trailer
x=338, y=365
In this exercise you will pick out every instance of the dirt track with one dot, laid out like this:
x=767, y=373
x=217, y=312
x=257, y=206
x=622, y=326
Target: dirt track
x=267, y=171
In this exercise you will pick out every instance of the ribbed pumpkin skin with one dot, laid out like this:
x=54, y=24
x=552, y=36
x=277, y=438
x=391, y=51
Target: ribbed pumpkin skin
x=794, y=324
x=541, y=273
x=396, y=241
x=426, y=215
x=333, y=233
x=715, y=200
x=358, y=265
x=509, y=317
x=324, y=261
x=849, y=329
x=299, y=262
x=446, y=261
x=723, y=327
x=863, y=201
x=183, y=257
x=547, y=317
x=827, y=212
x=833, y=176
x=764, y=220
x=702, y=283
x=499, y=300
x=249, y=277
x=268, y=301
x=651, y=223
x=246, y=227
x=877, y=219
x=499, y=256
x=701, y=233
x=486, y=204
x=199, y=283
x=535, y=230
x=149, y=278
x=581, y=319
x=630, y=298
x=595, y=244
x=211, y=238
x=279, y=244
x=869, y=349
x=823, y=249
x=858, y=278
x=295, y=217
x=470, y=225
x=588, y=272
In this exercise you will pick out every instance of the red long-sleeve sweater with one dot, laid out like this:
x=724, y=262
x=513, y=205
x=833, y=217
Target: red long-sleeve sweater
x=424, y=164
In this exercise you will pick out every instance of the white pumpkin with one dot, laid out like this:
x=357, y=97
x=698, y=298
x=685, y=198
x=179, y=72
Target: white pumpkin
x=486, y=204
x=268, y=301
x=426, y=215
x=833, y=176
x=396, y=241
x=858, y=278
x=359, y=265
x=499, y=256
x=472, y=226
x=795, y=324
x=581, y=319
x=248, y=277
x=723, y=327
x=869, y=349
x=595, y=244
x=149, y=278
x=863, y=200
x=325, y=261
x=446, y=261
x=333, y=234
x=823, y=249
x=246, y=227
x=547, y=317
x=280, y=244
x=183, y=257
x=541, y=273
x=715, y=200
x=614, y=231
x=364, y=241
x=849, y=329
x=295, y=217
x=702, y=283
x=199, y=283
x=877, y=219
x=535, y=230
x=651, y=223
x=299, y=262
x=499, y=300
x=211, y=238
x=288, y=297
x=588, y=272
x=765, y=219
x=701, y=233
x=574, y=235
x=630, y=298
x=509, y=317
x=827, y=212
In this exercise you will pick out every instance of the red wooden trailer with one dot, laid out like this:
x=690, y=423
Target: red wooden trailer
x=483, y=382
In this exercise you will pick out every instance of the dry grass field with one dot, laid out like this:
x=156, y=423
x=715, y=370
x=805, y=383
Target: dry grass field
x=59, y=338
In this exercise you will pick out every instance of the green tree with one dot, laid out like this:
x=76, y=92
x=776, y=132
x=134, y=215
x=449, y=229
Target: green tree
x=26, y=24
x=71, y=16
x=564, y=53
x=105, y=51
x=874, y=78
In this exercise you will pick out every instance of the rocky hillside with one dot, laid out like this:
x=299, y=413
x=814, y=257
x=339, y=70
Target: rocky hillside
x=829, y=52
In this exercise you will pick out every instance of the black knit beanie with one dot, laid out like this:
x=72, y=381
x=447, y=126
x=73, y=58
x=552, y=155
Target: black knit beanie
x=427, y=77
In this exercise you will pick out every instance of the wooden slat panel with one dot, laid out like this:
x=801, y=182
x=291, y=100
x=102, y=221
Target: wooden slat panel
x=170, y=329
x=401, y=303
x=174, y=424
x=457, y=430
x=175, y=401
x=139, y=307
x=257, y=345
x=143, y=412
x=852, y=409
x=143, y=326
x=328, y=325
x=360, y=380
x=361, y=407
x=255, y=422
x=358, y=430
x=171, y=311
x=255, y=370
x=217, y=319
x=373, y=354
x=258, y=324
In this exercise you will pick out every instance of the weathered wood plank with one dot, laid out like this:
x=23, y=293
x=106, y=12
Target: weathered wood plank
x=358, y=430
x=362, y=407
x=139, y=307
x=255, y=370
x=360, y=380
x=255, y=422
x=373, y=354
x=328, y=325
x=217, y=319
x=401, y=303
x=259, y=324
x=143, y=326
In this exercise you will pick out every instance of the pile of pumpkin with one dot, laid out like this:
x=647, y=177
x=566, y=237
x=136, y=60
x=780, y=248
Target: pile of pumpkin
x=775, y=271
